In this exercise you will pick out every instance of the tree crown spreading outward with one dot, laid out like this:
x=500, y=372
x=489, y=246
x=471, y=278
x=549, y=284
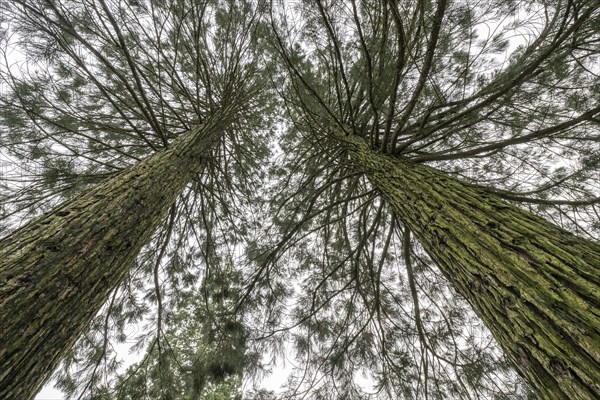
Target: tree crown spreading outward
x=401, y=198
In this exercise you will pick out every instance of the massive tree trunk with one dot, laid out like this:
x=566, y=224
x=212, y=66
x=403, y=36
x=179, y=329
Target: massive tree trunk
x=57, y=271
x=535, y=285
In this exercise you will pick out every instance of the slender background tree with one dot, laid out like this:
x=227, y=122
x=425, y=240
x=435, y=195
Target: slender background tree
x=207, y=348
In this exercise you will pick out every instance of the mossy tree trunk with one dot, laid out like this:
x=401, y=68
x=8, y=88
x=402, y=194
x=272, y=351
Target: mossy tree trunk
x=535, y=285
x=57, y=271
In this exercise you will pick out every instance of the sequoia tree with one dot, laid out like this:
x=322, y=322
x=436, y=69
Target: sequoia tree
x=454, y=124
x=58, y=270
x=154, y=100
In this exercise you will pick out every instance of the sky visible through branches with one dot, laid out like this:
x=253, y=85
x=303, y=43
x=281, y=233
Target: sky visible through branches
x=287, y=255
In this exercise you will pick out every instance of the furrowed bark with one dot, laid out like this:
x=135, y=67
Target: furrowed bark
x=535, y=285
x=57, y=271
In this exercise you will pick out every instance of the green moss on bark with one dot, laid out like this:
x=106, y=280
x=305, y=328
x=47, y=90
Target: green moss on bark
x=535, y=285
x=57, y=271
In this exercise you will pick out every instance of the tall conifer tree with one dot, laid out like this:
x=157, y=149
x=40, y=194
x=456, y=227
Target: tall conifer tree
x=161, y=102
x=429, y=135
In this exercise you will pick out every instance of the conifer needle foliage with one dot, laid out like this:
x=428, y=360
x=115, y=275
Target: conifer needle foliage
x=399, y=199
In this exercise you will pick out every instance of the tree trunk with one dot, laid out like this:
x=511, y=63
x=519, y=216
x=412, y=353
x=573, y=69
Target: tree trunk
x=57, y=271
x=535, y=285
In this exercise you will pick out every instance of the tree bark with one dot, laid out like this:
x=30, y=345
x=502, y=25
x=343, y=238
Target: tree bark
x=57, y=271
x=535, y=285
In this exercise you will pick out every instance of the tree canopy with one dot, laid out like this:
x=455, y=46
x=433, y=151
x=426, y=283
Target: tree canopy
x=283, y=246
